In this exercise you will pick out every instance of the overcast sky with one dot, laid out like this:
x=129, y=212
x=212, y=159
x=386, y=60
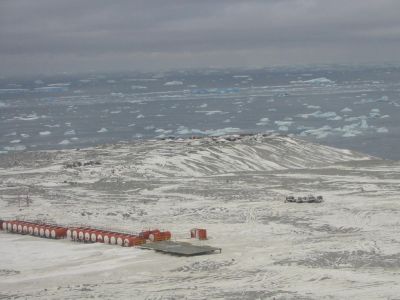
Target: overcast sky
x=50, y=36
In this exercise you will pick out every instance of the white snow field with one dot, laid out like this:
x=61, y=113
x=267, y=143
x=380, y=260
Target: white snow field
x=347, y=247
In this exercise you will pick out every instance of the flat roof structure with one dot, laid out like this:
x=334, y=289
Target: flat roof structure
x=180, y=248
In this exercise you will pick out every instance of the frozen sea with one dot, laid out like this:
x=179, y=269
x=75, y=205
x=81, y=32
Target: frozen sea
x=343, y=106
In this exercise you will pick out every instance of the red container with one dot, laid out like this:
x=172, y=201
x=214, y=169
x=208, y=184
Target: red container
x=4, y=226
x=87, y=234
x=160, y=236
x=198, y=233
x=100, y=237
x=42, y=229
x=47, y=231
x=75, y=234
x=113, y=238
x=81, y=234
x=146, y=234
x=9, y=226
x=36, y=229
x=30, y=229
x=93, y=236
x=25, y=228
x=14, y=225
x=58, y=232
x=69, y=234
x=131, y=241
x=120, y=239
x=106, y=237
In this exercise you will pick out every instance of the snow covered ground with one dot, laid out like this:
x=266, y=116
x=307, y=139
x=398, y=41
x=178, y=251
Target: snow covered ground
x=346, y=247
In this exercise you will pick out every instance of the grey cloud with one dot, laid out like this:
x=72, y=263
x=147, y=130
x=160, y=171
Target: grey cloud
x=109, y=35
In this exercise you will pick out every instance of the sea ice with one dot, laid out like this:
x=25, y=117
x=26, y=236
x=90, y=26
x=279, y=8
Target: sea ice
x=102, y=130
x=140, y=116
x=15, y=141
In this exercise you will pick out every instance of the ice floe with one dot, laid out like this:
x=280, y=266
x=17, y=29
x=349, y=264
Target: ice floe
x=319, y=80
x=172, y=83
x=319, y=114
x=263, y=122
x=44, y=133
x=211, y=112
x=382, y=130
x=70, y=132
x=51, y=89
x=374, y=113
x=138, y=87
x=283, y=123
x=59, y=84
x=319, y=133
x=313, y=106
x=346, y=109
x=64, y=142
x=29, y=117
x=119, y=95
x=15, y=141
x=101, y=130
